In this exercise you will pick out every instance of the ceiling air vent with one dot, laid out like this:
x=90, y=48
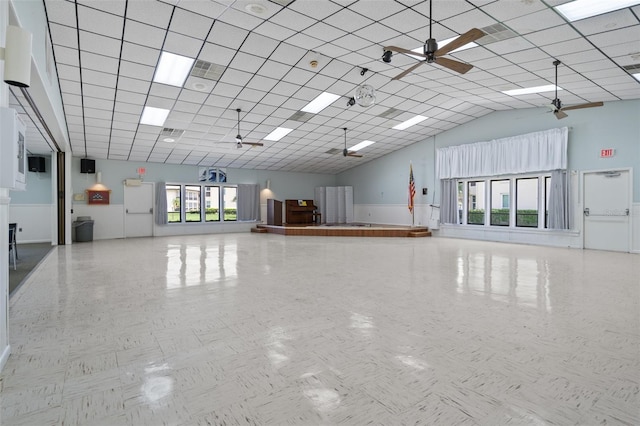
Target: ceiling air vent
x=632, y=68
x=171, y=135
x=390, y=113
x=494, y=33
x=207, y=70
x=301, y=116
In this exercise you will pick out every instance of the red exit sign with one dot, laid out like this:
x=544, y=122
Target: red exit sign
x=605, y=153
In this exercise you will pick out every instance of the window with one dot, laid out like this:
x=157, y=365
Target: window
x=500, y=211
x=212, y=204
x=475, y=203
x=185, y=203
x=530, y=194
x=527, y=202
x=174, y=206
x=547, y=191
x=192, y=203
x=230, y=203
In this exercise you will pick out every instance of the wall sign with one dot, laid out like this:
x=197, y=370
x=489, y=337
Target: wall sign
x=98, y=197
x=606, y=153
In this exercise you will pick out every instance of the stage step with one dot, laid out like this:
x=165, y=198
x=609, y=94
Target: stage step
x=259, y=230
x=419, y=234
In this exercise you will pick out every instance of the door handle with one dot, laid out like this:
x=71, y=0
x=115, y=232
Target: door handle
x=586, y=211
x=626, y=212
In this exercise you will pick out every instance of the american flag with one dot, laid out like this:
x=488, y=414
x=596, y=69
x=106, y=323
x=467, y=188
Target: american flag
x=412, y=188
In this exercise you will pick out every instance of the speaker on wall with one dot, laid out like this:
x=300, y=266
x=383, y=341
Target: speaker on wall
x=87, y=165
x=37, y=164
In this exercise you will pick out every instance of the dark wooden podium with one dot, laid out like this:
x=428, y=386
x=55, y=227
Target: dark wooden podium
x=299, y=211
x=274, y=212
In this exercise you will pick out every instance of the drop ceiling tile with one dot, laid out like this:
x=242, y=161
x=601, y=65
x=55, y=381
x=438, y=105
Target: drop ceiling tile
x=99, y=22
x=240, y=19
x=404, y=21
x=67, y=56
x=246, y=62
x=114, y=8
x=504, y=11
x=534, y=22
x=69, y=73
x=511, y=45
x=288, y=54
x=236, y=77
x=274, y=31
x=304, y=41
x=140, y=54
x=630, y=48
x=377, y=33
x=228, y=90
x=216, y=54
x=274, y=70
x=298, y=76
x=324, y=32
x=606, y=22
x=159, y=102
x=145, y=35
x=190, y=24
x=182, y=45
x=104, y=104
x=164, y=91
x=567, y=47
x=615, y=37
x=100, y=44
x=137, y=71
x=98, y=91
x=352, y=42
x=101, y=63
x=159, y=15
x=262, y=83
x=133, y=85
x=259, y=45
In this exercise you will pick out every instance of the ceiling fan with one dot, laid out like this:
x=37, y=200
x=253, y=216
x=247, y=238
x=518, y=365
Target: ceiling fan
x=239, y=141
x=431, y=52
x=556, y=106
x=345, y=151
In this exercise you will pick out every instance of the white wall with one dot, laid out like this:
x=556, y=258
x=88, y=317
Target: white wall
x=34, y=222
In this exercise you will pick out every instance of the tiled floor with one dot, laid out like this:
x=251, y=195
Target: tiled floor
x=266, y=329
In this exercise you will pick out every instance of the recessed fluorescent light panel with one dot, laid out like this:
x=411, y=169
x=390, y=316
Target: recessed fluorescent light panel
x=637, y=76
x=581, y=9
x=530, y=90
x=173, y=69
x=154, y=116
x=278, y=134
x=442, y=44
x=410, y=122
x=361, y=145
x=321, y=102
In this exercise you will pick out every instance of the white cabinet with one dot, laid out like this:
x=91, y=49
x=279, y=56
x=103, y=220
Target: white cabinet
x=13, y=150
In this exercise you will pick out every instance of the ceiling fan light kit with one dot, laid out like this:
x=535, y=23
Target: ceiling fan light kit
x=556, y=105
x=239, y=141
x=432, y=54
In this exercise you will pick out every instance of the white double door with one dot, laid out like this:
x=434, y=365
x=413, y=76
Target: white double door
x=138, y=210
x=607, y=210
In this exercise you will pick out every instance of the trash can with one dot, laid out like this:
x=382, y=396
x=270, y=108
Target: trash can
x=82, y=229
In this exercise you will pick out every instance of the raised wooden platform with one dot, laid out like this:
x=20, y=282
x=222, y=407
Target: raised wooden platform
x=351, y=230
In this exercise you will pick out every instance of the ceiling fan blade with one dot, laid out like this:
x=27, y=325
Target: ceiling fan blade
x=405, y=51
x=354, y=154
x=560, y=115
x=587, y=105
x=408, y=70
x=252, y=143
x=456, y=66
x=471, y=35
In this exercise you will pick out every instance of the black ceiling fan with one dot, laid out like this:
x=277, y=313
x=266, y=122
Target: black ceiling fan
x=556, y=106
x=239, y=141
x=431, y=52
x=345, y=151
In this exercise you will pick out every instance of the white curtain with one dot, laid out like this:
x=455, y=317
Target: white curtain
x=449, y=201
x=335, y=203
x=161, y=203
x=532, y=152
x=559, y=217
x=248, y=201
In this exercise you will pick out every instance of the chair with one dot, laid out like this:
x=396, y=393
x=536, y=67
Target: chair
x=12, y=245
x=14, y=226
